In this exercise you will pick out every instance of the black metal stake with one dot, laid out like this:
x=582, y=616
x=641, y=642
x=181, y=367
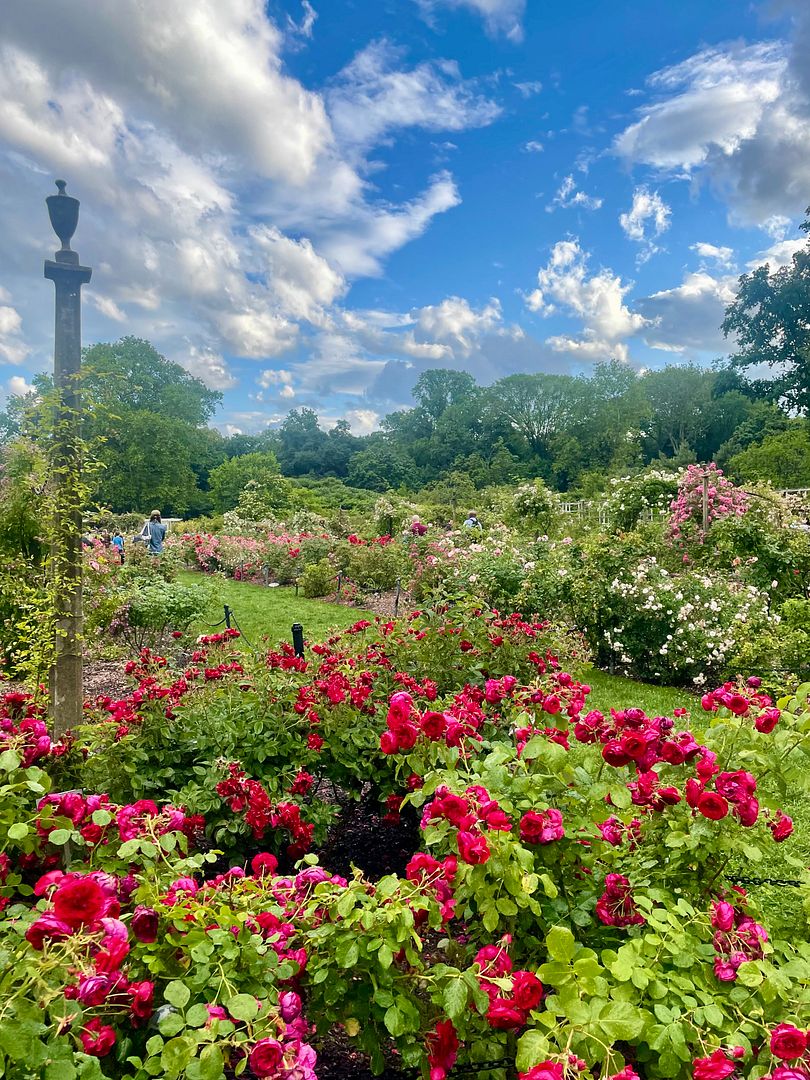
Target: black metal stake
x=298, y=638
x=396, y=597
x=227, y=616
x=339, y=582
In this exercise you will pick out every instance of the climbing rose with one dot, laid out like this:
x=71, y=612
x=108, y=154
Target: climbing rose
x=265, y=1057
x=472, y=847
x=546, y=1070
x=715, y=1067
x=80, y=901
x=542, y=827
x=712, y=806
x=145, y=924
x=97, y=1039
x=788, y=1042
x=782, y=827
x=264, y=863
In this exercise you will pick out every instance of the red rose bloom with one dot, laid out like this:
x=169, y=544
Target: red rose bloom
x=472, y=847
x=97, y=1039
x=145, y=924
x=714, y=807
x=265, y=1057
x=715, y=1067
x=782, y=827
x=546, y=1070
x=264, y=864
x=79, y=901
x=527, y=990
x=788, y=1042
x=504, y=1016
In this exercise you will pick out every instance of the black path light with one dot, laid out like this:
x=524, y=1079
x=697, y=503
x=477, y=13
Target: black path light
x=68, y=277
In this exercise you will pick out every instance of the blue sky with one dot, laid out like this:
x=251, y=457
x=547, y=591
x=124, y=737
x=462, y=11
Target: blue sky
x=311, y=203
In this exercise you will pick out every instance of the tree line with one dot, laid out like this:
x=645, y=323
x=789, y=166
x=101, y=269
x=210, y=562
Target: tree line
x=147, y=420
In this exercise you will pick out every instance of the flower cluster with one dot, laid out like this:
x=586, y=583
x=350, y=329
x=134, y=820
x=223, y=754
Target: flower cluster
x=512, y=994
x=737, y=937
x=23, y=729
x=699, y=482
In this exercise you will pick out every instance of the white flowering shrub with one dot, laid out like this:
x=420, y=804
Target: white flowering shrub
x=644, y=495
x=677, y=628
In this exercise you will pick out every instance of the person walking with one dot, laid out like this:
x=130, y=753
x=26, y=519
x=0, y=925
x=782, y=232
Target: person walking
x=118, y=544
x=156, y=534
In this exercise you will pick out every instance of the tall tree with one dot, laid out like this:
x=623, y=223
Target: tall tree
x=770, y=319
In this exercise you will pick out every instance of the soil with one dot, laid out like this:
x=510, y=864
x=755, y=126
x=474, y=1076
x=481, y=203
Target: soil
x=102, y=677
x=338, y=1059
x=381, y=603
x=363, y=838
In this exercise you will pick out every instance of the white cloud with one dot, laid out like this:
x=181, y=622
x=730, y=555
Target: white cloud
x=720, y=256
x=12, y=346
x=106, y=306
x=209, y=74
x=529, y=89
x=257, y=334
x=686, y=319
x=779, y=254
x=377, y=231
x=373, y=95
x=456, y=323
x=737, y=116
x=209, y=366
x=568, y=196
x=597, y=299
x=304, y=282
x=501, y=17
x=646, y=219
x=304, y=28
x=533, y=147
x=362, y=421
x=18, y=386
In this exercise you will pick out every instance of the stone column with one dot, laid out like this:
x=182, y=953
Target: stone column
x=68, y=276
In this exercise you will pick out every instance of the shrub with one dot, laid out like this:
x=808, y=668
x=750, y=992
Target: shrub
x=632, y=498
x=318, y=579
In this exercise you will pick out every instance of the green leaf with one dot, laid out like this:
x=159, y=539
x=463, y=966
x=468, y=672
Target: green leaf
x=394, y=1020
x=211, y=1066
x=560, y=943
x=243, y=1007
x=177, y=993
x=101, y=817
x=621, y=1021
x=171, y=1024
x=347, y=952
x=455, y=998
x=60, y=1070
x=549, y=888
x=18, y=831
x=532, y=1048
x=59, y=836
x=749, y=973
x=197, y=1015
x=620, y=796
x=176, y=1055
x=9, y=761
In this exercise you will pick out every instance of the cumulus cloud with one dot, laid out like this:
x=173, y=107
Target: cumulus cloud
x=711, y=253
x=501, y=17
x=12, y=347
x=779, y=254
x=18, y=387
x=646, y=219
x=738, y=116
x=568, y=196
x=374, y=95
x=455, y=322
x=565, y=284
x=533, y=147
x=164, y=134
x=686, y=319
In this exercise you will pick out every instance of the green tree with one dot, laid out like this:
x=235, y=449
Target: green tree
x=782, y=459
x=770, y=319
x=228, y=480
x=381, y=467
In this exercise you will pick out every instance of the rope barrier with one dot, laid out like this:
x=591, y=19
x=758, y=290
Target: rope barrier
x=781, y=882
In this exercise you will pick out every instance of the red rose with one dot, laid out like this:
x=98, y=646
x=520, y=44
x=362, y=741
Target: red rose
x=389, y=743
x=782, y=827
x=264, y=864
x=504, y=1016
x=97, y=1039
x=142, y=994
x=47, y=927
x=527, y=990
x=541, y=827
x=788, y=1042
x=472, y=847
x=767, y=721
x=712, y=806
x=145, y=924
x=433, y=725
x=80, y=900
x=715, y=1067
x=265, y=1057
x=546, y=1070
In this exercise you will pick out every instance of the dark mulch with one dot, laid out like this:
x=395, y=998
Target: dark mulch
x=338, y=1059
x=362, y=838
x=106, y=677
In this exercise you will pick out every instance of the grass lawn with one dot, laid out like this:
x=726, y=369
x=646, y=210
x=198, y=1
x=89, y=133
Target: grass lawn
x=618, y=692
x=261, y=611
